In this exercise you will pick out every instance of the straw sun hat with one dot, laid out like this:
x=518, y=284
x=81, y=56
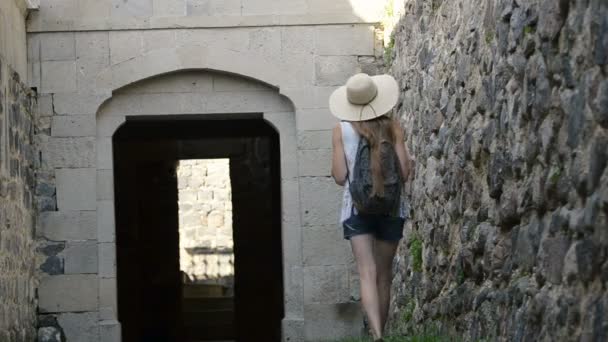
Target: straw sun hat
x=364, y=97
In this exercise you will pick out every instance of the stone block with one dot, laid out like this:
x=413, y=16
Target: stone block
x=315, y=119
x=310, y=140
x=73, y=126
x=67, y=226
x=107, y=260
x=128, y=9
x=326, y=284
x=105, y=185
x=92, y=45
x=324, y=7
x=158, y=39
x=332, y=321
x=80, y=257
x=104, y=154
x=58, y=46
x=265, y=42
x=79, y=327
x=169, y=8
x=94, y=9
x=109, y=331
x=33, y=47
x=92, y=58
x=33, y=74
x=222, y=40
x=45, y=105
x=77, y=104
x=315, y=162
x=236, y=102
x=125, y=45
x=271, y=7
x=105, y=221
x=58, y=77
x=292, y=233
x=294, y=291
x=297, y=70
x=68, y=293
x=334, y=70
x=325, y=246
x=108, y=125
x=355, y=40
x=76, y=189
x=158, y=61
x=292, y=330
x=183, y=82
x=70, y=152
x=108, y=296
x=321, y=201
x=170, y=103
x=58, y=10
x=223, y=82
x=297, y=40
x=284, y=123
x=309, y=97
x=213, y=7
x=300, y=97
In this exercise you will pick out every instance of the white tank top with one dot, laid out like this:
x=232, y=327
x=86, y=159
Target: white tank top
x=350, y=141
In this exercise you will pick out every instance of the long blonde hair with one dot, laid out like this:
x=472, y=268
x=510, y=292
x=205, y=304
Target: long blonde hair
x=376, y=131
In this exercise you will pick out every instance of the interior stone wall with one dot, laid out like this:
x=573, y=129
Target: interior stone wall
x=205, y=221
x=18, y=164
x=506, y=108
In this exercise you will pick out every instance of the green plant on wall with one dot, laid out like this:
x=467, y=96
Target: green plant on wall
x=489, y=36
x=529, y=29
x=388, y=9
x=388, y=51
x=460, y=276
x=408, y=311
x=554, y=175
x=416, y=253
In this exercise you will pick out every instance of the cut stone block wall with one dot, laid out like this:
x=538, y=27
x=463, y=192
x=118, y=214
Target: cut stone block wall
x=96, y=63
x=205, y=221
x=505, y=104
x=18, y=165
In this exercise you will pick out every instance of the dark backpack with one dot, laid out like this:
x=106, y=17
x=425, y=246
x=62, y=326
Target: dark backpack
x=361, y=183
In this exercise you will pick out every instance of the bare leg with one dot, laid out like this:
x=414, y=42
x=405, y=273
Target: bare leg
x=385, y=252
x=363, y=249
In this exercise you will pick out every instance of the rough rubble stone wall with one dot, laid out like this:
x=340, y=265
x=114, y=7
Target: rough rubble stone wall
x=506, y=106
x=205, y=221
x=17, y=207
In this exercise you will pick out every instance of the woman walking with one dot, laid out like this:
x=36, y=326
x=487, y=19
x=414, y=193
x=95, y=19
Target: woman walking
x=371, y=161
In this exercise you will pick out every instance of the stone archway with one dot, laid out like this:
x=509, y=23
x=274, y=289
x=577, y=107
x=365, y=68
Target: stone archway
x=182, y=94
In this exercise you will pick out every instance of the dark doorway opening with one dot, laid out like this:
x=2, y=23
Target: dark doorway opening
x=153, y=302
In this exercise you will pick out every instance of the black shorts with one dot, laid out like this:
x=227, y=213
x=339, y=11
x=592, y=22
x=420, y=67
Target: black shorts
x=382, y=227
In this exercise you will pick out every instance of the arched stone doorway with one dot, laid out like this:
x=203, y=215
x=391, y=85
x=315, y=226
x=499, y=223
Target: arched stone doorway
x=178, y=102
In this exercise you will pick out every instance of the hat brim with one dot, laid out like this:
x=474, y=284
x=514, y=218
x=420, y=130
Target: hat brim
x=388, y=95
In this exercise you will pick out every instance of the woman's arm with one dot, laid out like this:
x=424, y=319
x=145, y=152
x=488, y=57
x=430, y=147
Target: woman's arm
x=338, y=164
x=405, y=159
